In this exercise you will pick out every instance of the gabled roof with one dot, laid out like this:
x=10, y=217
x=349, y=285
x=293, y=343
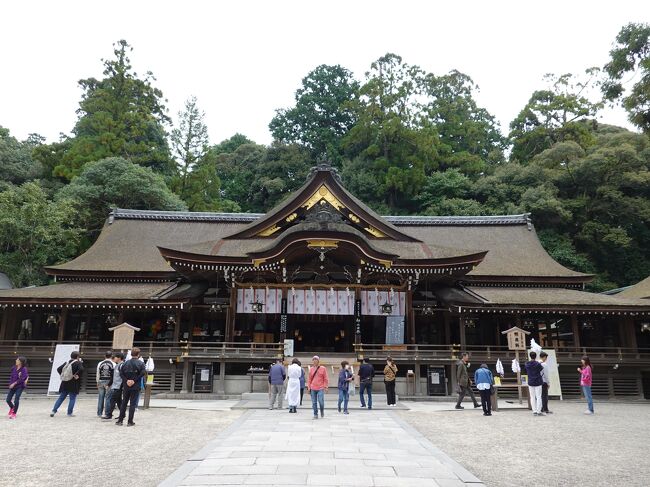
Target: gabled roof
x=641, y=290
x=322, y=187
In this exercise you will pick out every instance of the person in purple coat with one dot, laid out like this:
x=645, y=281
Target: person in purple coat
x=17, y=383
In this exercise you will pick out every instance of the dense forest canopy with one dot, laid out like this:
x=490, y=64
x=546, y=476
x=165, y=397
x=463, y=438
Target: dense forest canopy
x=406, y=141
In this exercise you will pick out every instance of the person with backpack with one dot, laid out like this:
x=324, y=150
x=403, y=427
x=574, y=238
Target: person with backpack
x=103, y=377
x=17, y=383
x=114, y=394
x=131, y=373
x=70, y=373
x=366, y=373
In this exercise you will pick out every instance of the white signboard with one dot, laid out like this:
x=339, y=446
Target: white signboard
x=288, y=347
x=61, y=356
x=555, y=388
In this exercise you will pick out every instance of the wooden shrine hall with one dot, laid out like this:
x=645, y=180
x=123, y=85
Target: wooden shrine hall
x=323, y=273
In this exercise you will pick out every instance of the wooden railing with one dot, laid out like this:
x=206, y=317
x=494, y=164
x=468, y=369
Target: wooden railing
x=35, y=349
x=450, y=353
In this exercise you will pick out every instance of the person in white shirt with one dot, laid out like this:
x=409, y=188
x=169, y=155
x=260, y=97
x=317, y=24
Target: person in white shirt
x=546, y=382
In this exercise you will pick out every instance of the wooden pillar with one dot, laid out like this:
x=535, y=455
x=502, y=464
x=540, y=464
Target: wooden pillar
x=446, y=319
x=4, y=323
x=417, y=378
x=62, y=320
x=283, y=315
x=231, y=313
x=177, y=326
x=410, y=317
x=461, y=324
x=357, y=316
x=629, y=333
x=576, y=332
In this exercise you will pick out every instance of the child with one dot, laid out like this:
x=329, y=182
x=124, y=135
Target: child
x=586, y=373
x=345, y=376
x=17, y=383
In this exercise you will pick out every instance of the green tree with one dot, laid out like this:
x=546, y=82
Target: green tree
x=189, y=140
x=322, y=115
x=119, y=115
x=631, y=55
x=17, y=165
x=468, y=134
x=230, y=144
x=392, y=137
x=35, y=232
x=116, y=182
x=561, y=112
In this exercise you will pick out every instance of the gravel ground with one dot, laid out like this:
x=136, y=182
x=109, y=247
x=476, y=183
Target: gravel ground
x=567, y=448
x=37, y=450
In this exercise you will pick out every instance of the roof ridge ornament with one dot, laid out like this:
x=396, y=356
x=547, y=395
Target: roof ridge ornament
x=324, y=165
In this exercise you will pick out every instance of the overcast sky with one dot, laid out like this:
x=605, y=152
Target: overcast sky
x=244, y=59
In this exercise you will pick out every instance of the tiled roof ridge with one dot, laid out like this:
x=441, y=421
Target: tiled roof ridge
x=128, y=214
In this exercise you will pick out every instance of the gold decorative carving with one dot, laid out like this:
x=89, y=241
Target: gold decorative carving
x=267, y=232
x=291, y=217
x=323, y=193
x=354, y=218
x=386, y=263
x=373, y=231
x=258, y=262
x=319, y=244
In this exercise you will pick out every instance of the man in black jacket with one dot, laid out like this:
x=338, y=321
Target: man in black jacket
x=366, y=373
x=131, y=372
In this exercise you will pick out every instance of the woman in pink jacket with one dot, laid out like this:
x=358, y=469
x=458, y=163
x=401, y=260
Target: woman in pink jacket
x=586, y=373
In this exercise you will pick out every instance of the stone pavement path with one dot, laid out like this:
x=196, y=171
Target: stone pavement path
x=366, y=449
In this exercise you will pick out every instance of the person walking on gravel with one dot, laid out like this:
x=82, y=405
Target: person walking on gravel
x=17, y=383
x=462, y=378
x=70, y=373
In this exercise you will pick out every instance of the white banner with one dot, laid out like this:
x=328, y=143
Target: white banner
x=61, y=356
x=371, y=302
x=270, y=298
x=321, y=301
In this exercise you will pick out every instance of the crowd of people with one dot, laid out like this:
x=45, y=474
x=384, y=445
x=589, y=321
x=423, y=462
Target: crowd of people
x=316, y=381
x=120, y=381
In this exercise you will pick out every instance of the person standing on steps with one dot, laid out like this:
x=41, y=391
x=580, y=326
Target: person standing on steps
x=70, y=373
x=277, y=375
x=103, y=377
x=366, y=373
x=534, y=371
x=17, y=383
x=464, y=385
x=390, y=374
x=293, y=385
x=317, y=384
x=345, y=376
x=483, y=380
x=131, y=372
